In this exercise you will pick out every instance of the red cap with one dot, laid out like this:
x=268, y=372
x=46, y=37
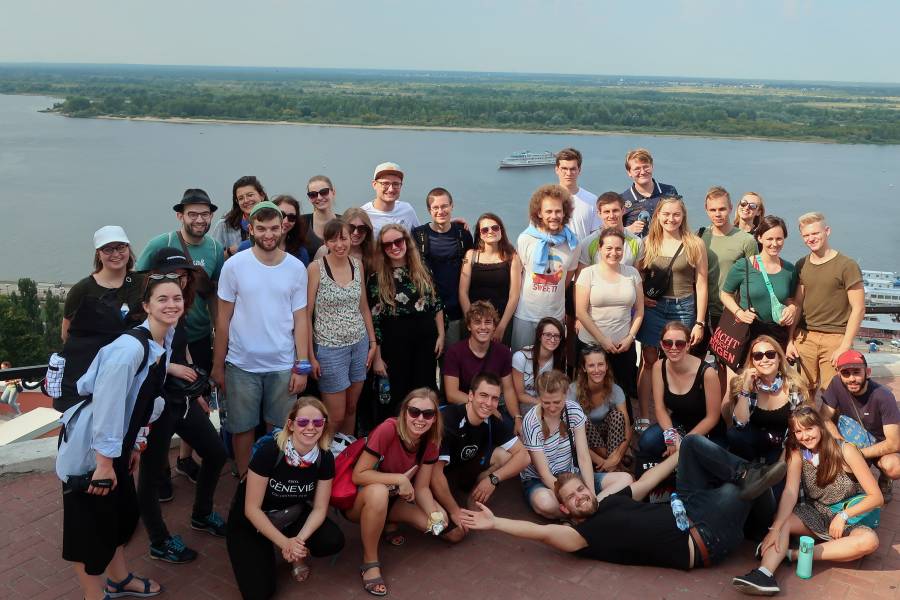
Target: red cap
x=851, y=358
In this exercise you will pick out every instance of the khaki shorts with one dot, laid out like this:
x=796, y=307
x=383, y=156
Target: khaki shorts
x=815, y=349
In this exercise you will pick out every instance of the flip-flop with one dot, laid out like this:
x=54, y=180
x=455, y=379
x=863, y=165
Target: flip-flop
x=370, y=584
x=394, y=538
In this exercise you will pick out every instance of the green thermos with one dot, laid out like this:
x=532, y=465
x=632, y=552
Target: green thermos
x=805, y=557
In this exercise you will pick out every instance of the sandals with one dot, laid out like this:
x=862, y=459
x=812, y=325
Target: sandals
x=394, y=538
x=300, y=572
x=118, y=590
x=370, y=585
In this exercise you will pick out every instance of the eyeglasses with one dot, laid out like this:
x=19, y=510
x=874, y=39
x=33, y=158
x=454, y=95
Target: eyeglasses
x=318, y=423
x=677, y=344
x=194, y=216
x=489, y=228
x=110, y=250
x=415, y=413
x=400, y=242
x=750, y=205
x=362, y=229
x=770, y=354
x=386, y=185
x=290, y=217
x=323, y=193
x=554, y=337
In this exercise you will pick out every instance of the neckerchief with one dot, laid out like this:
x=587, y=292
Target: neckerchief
x=545, y=241
x=293, y=458
x=774, y=388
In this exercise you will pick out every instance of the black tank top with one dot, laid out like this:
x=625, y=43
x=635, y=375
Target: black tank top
x=689, y=409
x=771, y=420
x=490, y=281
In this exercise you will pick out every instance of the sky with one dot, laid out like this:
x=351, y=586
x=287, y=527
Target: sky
x=831, y=40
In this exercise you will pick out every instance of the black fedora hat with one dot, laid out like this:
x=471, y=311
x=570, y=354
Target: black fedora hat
x=195, y=196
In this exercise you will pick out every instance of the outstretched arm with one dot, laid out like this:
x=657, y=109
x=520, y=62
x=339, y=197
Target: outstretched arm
x=653, y=477
x=561, y=537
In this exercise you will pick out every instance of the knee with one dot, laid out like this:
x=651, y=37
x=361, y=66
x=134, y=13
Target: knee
x=889, y=465
x=544, y=504
x=375, y=497
x=649, y=354
x=867, y=543
x=330, y=544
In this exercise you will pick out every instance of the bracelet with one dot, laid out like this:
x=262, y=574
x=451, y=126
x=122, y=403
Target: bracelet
x=302, y=367
x=845, y=516
x=517, y=417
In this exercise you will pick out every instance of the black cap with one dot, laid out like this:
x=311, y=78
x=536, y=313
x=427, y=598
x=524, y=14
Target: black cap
x=168, y=259
x=195, y=196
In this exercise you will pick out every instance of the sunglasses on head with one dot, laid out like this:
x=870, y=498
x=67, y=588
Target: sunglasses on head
x=669, y=344
x=398, y=243
x=160, y=276
x=362, y=229
x=318, y=422
x=415, y=413
x=750, y=205
x=323, y=193
x=489, y=228
x=770, y=354
x=290, y=217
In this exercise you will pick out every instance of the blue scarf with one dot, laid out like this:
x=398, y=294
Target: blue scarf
x=545, y=240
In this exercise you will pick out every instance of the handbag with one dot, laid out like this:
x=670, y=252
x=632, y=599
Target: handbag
x=657, y=280
x=283, y=518
x=870, y=519
x=777, y=306
x=853, y=431
x=343, y=490
x=730, y=340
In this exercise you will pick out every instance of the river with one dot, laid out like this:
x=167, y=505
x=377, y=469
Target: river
x=62, y=178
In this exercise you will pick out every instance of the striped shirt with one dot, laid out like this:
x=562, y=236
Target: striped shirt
x=556, y=448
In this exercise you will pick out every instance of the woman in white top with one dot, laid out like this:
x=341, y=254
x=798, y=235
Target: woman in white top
x=550, y=340
x=609, y=305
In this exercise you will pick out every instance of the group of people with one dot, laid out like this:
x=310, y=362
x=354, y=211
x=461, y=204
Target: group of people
x=460, y=360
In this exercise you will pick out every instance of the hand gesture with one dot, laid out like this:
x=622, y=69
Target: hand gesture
x=836, y=528
x=217, y=377
x=482, y=519
x=182, y=372
x=746, y=316
x=483, y=491
x=405, y=487
x=772, y=540
x=788, y=316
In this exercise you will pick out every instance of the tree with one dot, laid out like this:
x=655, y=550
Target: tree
x=19, y=343
x=52, y=323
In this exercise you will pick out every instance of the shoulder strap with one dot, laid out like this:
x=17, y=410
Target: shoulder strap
x=460, y=240
x=701, y=231
x=571, y=435
x=677, y=252
x=328, y=268
x=184, y=247
x=747, y=283
x=141, y=334
x=422, y=239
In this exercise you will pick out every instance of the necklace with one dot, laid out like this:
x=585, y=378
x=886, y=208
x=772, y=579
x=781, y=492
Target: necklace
x=771, y=388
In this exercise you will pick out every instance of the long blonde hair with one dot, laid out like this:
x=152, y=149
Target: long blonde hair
x=694, y=248
x=418, y=273
x=792, y=380
x=282, y=436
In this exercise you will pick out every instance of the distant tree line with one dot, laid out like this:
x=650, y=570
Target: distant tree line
x=29, y=327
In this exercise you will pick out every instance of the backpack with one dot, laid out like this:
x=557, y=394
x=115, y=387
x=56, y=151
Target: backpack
x=423, y=241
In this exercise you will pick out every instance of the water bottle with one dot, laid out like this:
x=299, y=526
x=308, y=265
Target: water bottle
x=805, y=557
x=384, y=390
x=123, y=310
x=681, y=518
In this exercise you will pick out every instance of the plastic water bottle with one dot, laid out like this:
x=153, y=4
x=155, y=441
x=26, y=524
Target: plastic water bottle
x=805, y=557
x=384, y=390
x=681, y=518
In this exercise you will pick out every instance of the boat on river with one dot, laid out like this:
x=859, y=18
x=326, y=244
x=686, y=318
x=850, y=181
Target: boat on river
x=528, y=159
x=882, y=288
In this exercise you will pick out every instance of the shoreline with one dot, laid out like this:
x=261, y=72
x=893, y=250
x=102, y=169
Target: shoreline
x=206, y=121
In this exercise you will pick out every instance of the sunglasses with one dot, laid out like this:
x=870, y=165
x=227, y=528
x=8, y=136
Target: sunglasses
x=415, y=413
x=290, y=217
x=398, y=243
x=750, y=205
x=770, y=354
x=109, y=250
x=318, y=423
x=323, y=193
x=489, y=228
x=677, y=344
x=160, y=276
x=362, y=229
x=551, y=336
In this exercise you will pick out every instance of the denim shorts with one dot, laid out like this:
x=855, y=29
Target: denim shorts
x=666, y=309
x=530, y=486
x=342, y=366
x=247, y=394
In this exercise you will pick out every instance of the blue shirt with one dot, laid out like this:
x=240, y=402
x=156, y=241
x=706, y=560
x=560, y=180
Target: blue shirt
x=101, y=425
x=636, y=203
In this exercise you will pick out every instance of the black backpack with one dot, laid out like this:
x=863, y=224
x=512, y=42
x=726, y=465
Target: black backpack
x=423, y=241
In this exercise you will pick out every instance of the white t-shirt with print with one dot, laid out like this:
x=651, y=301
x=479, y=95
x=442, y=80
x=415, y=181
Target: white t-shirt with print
x=544, y=294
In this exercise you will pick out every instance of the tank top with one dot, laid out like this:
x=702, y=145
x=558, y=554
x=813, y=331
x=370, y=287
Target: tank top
x=683, y=275
x=337, y=321
x=771, y=420
x=689, y=408
x=490, y=281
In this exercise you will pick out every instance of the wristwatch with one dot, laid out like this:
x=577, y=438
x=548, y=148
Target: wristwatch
x=845, y=516
x=494, y=479
x=700, y=323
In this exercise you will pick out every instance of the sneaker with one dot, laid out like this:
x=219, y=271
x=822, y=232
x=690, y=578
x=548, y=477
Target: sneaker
x=759, y=478
x=188, y=467
x=172, y=550
x=886, y=484
x=756, y=583
x=211, y=524
x=166, y=493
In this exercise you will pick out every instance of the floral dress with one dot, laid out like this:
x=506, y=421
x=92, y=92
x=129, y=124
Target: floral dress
x=408, y=300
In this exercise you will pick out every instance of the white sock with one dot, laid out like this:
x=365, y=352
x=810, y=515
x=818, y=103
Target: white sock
x=764, y=571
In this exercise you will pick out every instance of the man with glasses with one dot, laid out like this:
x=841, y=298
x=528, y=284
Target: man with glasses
x=644, y=194
x=195, y=213
x=853, y=395
x=568, y=168
x=387, y=206
x=443, y=245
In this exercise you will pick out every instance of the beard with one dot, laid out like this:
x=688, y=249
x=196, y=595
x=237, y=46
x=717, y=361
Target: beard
x=586, y=510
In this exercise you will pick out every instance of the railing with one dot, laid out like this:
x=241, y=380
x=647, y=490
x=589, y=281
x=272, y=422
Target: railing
x=32, y=377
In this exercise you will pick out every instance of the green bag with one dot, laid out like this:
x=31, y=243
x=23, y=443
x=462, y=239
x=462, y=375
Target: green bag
x=870, y=519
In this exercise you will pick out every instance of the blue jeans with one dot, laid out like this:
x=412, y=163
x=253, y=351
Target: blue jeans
x=652, y=445
x=666, y=309
x=249, y=394
x=705, y=481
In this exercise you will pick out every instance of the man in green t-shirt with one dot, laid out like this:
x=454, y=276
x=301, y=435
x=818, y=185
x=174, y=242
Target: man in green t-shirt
x=195, y=212
x=832, y=301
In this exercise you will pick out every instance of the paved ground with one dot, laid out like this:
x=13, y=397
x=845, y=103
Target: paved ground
x=487, y=565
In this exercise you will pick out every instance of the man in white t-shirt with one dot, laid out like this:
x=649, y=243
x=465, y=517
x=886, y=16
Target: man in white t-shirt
x=549, y=253
x=261, y=332
x=387, y=206
x=584, y=219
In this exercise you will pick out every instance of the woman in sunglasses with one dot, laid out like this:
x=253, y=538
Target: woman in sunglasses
x=492, y=271
x=362, y=242
x=408, y=316
x=295, y=230
x=396, y=465
x=321, y=193
x=553, y=434
x=608, y=428
x=283, y=503
x=528, y=364
x=760, y=401
x=342, y=344
x=686, y=398
x=750, y=210
x=772, y=285
x=830, y=472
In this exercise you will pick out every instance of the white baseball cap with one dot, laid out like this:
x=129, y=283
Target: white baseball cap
x=108, y=235
x=388, y=167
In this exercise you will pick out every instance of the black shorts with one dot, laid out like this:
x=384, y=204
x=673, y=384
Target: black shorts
x=95, y=526
x=464, y=477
